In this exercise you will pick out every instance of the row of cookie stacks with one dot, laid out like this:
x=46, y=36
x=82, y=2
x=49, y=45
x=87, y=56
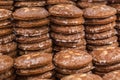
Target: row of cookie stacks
x=31, y=27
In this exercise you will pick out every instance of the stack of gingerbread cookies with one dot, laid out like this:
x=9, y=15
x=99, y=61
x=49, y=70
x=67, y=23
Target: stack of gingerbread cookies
x=117, y=6
x=72, y=61
x=6, y=4
x=106, y=60
x=6, y=68
x=89, y=3
x=29, y=3
x=7, y=44
x=100, y=27
x=32, y=30
x=67, y=30
x=34, y=66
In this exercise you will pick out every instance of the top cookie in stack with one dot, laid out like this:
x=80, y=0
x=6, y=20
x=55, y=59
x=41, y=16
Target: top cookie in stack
x=6, y=4
x=99, y=27
x=88, y=3
x=66, y=26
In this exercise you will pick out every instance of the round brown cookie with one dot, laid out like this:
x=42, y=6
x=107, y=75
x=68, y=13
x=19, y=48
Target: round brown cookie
x=51, y=2
x=106, y=69
x=68, y=71
x=99, y=28
x=114, y=75
x=103, y=35
x=7, y=38
x=91, y=47
x=6, y=63
x=6, y=3
x=8, y=47
x=106, y=56
x=48, y=50
x=34, y=39
x=81, y=42
x=40, y=70
x=36, y=46
x=32, y=31
x=85, y=4
x=107, y=41
x=6, y=31
x=11, y=78
x=5, y=24
x=43, y=76
x=7, y=7
x=67, y=38
x=101, y=21
x=33, y=23
x=32, y=60
x=58, y=48
x=5, y=14
x=68, y=59
x=99, y=11
x=30, y=13
x=6, y=74
x=117, y=7
x=65, y=10
x=30, y=3
x=67, y=29
x=67, y=21
x=82, y=76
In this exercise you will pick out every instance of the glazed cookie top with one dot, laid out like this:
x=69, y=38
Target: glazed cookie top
x=100, y=11
x=106, y=56
x=116, y=6
x=5, y=14
x=33, y=60
x=115, y=75
x=72, y=59
x=6, y=63
x=65, y=10
x=82, y=77
x=30, y=13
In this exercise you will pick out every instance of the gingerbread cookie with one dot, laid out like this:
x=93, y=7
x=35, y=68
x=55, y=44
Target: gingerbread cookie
x=32, y=31
x=100, y=21
x=30, y=3
x=31, y=13
x=6, y=63
x=106, y=56
x=81, y=76
x=102, y=35
x=107, y=41
x=69, y=58
x=65, y=10
x=67, y=38
x=67, y=21
x=32, y=23
x=99, y=28
x=36, y=46
x=41, y=59
x=99, y=11
x=67, y=29
x=36, y=39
